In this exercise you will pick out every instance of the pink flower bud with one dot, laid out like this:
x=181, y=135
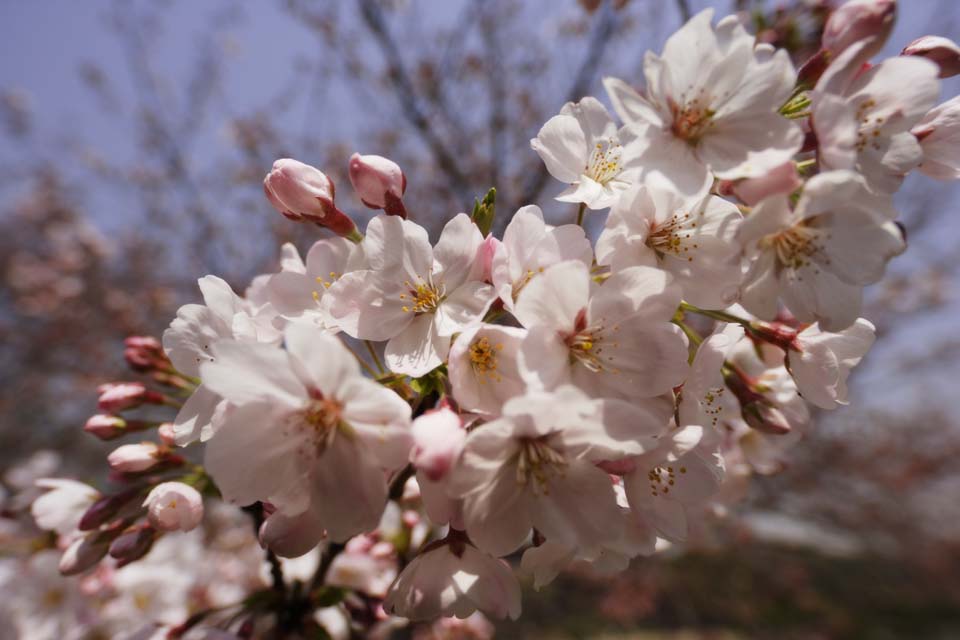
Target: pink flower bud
x=118, y=396
x=303, y=193
x=106, y=427
x=144, y=353
x=106, y=508
x=943, y=51
x=132, y=545
x=133, y=458
x=438, y=438
x=858, y=20
x=485, y=257
x=82, y=554
x=174, y=506
x=783, y=179
x=379, y=182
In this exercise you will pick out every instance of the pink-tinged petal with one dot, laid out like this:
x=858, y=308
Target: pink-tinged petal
x=253, y=457
x=418, y=349
x=456, y=250
x=635, y=294
x=464, y=308
x=219, y=297
x=814, y=295
x=321, y=362
x=349, y=489
x=195, y=420
x=367, y=304
x=629, y=104
x=380, y=418
x=556, y=297
x=291, y=536
x=562, y=146
x=188, y=340
x=543, y=359
x=781, y=180
x=749, y=145
x=244, y=372
x=292, y=293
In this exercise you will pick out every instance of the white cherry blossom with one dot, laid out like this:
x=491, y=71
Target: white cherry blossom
x=613, y=340
x=306, y=430
x=939, y=135
x=691, y=238
x=862, y=119
x=711, y=106
x=818, y=256
x=825, y=359
x=583, y=148
x=483, y=367
x=413, y=295
x=535, y=467
x=529, y=246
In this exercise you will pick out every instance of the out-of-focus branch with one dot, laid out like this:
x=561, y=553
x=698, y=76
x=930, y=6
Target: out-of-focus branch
x=683, y=6
x=496, y=86
x=373, y=18
x=581, y=84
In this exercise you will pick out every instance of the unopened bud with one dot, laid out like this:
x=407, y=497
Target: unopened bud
x=438, y=438
x=776, y=333
x=83, y=554
x=484, y=211
x=132, y=545
x=109, y=427
x=303, y=193
x=943, y=51
x=174, y=506
x=118, y=396
x=144, y=353
x=106, y=508
x=379, y=183
x=763, y=416
x=133, y=458
x=782, y=179
x=858, y=20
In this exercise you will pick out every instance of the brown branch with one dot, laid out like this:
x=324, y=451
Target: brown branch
x=372, y=16
x=683, y=6
x=581, y=84
x=495, y=78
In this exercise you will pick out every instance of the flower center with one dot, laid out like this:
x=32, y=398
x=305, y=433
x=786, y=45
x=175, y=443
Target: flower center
x=662, y=478
x=795, y=246
x=423, y=297
x=483, y=358
x=537, y=463
x=586, y=345
x=869, y=131
x=710, y=404
x=326, y=284
x=691, y=121
x=317, y=423
x=672, y=236
x=605, y=161
x=524, y=280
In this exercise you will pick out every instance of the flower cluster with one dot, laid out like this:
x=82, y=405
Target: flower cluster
x=439, y=417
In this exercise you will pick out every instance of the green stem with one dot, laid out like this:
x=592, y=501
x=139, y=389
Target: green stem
x=363, y=363
x=376, y=358
x=580, y=211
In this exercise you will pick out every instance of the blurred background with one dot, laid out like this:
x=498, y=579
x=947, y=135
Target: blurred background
x=133, y=139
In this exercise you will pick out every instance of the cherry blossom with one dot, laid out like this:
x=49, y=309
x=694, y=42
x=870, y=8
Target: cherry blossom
x=693, y=239
x=414, y=296
x=583, y=148
x=710, y=106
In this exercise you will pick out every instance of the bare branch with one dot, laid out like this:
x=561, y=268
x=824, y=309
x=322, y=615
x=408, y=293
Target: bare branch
x=581, y=84
x=403, y=86
x=683, y=6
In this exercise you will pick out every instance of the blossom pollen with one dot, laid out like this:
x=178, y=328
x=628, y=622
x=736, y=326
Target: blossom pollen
x=425, y=297
x=586, y=346
x=318, y=423
x=672, y=236
x=691, y=121
x=538, y=461
x=483, y=358
x=796, y=246
x=662, y=478
x=605, y=161
x=869, y=130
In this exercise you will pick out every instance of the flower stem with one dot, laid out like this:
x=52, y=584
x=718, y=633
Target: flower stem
x=376, y=358
x=583, y=207
x=363, y=363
